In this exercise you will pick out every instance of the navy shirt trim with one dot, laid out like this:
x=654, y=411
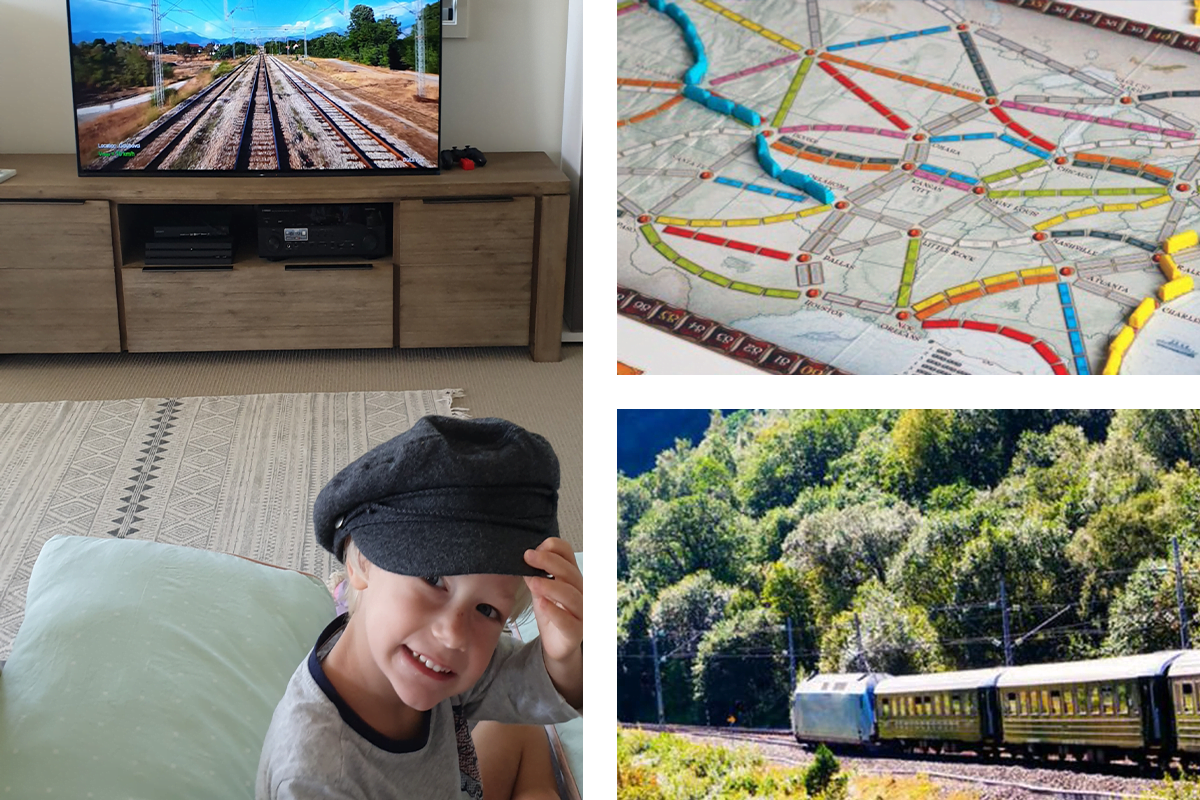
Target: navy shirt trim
x=348, y=715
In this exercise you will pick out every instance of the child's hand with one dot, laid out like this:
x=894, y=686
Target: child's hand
x=557, y=603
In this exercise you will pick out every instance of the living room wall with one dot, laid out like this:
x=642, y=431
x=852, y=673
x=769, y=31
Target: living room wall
x=502, y=86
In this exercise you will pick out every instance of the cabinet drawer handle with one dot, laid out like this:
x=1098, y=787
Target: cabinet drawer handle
x=314, y=267
x=481, y=199
x=188, y=269
x=34, y=201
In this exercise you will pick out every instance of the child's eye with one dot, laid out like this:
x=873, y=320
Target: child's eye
x=491, y=612
x=434, y=580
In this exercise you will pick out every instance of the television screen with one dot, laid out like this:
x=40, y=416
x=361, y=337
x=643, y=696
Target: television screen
x=260, y=87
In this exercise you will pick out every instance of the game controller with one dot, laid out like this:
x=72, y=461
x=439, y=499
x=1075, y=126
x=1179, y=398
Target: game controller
x=469, y=158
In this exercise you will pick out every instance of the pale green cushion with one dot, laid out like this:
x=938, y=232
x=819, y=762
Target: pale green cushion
x=148, y=671
x=570, y=733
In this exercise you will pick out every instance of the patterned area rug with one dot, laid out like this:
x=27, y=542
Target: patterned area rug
x=231, y=474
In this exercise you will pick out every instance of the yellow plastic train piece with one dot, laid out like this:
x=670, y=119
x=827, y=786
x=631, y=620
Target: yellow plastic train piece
x=1141, y=314
x=1181, y=241
x=1176, y=288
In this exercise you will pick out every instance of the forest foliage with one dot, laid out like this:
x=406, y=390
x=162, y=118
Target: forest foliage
x=877, y=540
x=382, y=42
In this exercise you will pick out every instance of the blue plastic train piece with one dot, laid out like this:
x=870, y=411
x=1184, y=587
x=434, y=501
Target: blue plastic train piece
x=697, y=71
x=747, y=116
x=693, y=92
x=721, y=104
x=1076, y=343
x=797, y=180
x=658, y=5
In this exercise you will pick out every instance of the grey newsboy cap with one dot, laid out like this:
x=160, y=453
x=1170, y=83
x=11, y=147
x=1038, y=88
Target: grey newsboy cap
x=448, y=496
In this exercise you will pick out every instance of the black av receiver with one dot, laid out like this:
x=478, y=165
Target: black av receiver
x=359, y=230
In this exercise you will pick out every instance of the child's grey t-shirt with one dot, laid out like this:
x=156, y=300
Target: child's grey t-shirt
x=318, y=747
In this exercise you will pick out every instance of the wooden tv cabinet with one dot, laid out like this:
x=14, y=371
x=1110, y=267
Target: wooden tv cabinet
x=478, y=259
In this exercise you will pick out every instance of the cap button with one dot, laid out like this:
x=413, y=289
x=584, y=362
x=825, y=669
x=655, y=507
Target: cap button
x=338, y=525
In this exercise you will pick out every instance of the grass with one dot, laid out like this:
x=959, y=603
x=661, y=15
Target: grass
x=668, y=767
x=123, y=124
x=1185, y=788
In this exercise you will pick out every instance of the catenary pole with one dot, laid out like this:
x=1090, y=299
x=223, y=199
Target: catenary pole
x=657, y=676
x=1183, y=626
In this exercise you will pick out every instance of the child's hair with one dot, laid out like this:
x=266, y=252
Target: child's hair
x=524, y=599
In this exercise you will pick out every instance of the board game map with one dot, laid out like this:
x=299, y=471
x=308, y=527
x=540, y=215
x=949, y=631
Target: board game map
x=910, y=186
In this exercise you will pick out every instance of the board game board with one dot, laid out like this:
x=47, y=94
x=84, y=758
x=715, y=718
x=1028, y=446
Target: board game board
x=909, y=186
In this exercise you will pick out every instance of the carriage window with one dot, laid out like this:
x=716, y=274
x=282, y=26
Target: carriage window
x=1122, y=699
x=1106, y=700
x=837, y=687
x=884, y=708
x=1069, y=702
x=943, y=705
x=1133, y=700
x=1045, y=701
x=1095, y=701
x=956, y=707
x=1026, y=703
x=970, y=705
x=1082, y=699
x=1189, y=698
x=1056, y=702
x=1011, y=702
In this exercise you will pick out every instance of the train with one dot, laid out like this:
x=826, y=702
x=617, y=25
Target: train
x=1145, y=708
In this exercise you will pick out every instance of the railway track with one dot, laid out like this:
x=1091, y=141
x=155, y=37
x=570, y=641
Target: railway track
x=177, y=125
x=262, y=145
x=997, y=778
x=358, y=141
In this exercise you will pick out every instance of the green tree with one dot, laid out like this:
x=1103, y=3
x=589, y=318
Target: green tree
x=837, y=550
x=784, y=593
x=793, y=449
x=1168, y=435
x=895, y=638
x=1145, y=617
x=678, y=537
x=741, y=671
x=686, y=610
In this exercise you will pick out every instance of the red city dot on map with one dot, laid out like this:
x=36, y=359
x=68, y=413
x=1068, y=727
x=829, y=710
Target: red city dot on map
x=918, y=137
x=841, y=204
x=813, y=293
x=706, y=174
x=963, y=27
x=979, y=190
x=909, y=167
x=1157, y=257
x=903, y=315
x=810, y=52
x=1060, y=160
x=991, y=101
x=1183, y=187
x=1040, y=237
x=644, y=218
x=1066, y=272
x=767, y=133
x=804, y=257
x=915, y=232
x=1126, y=101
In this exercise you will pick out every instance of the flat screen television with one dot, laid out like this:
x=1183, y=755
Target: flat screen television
x=255, y=87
